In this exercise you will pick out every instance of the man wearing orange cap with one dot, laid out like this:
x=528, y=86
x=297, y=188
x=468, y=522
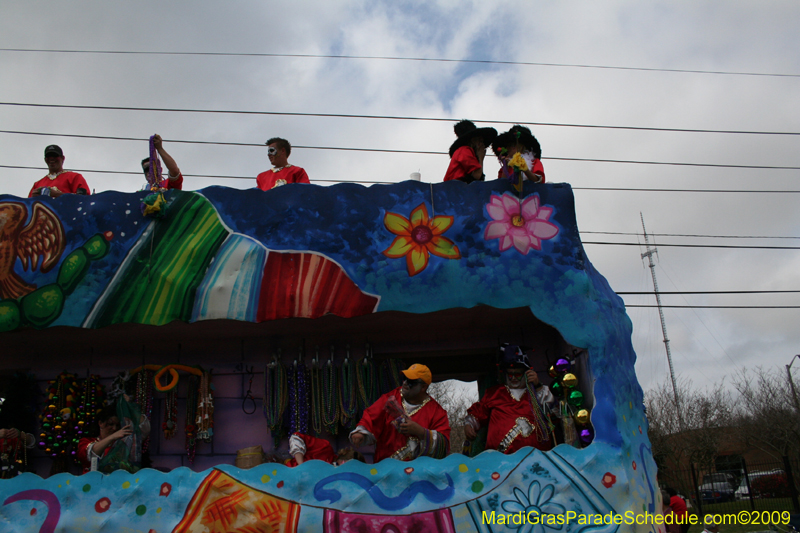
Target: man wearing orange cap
x=405, y=423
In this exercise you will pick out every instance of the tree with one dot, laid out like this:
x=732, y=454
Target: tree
x=455, y=397
x=692, y=438
x=766, y=418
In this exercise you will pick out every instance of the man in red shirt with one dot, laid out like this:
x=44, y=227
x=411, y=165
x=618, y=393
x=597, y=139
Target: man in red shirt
x=175, y=180
x=58, y=181
x=405, y=423
x=507, y=408
x=281, y=172
x=468, y=152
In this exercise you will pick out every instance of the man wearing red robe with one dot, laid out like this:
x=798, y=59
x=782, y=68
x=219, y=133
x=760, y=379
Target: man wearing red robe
x=508, y=412
x=405, y=423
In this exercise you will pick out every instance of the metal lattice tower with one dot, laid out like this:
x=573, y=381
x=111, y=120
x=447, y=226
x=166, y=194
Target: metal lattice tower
x=649, y=255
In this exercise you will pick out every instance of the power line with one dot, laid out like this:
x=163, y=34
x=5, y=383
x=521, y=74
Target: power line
x=400, y=58
x=745, y=191
x=719, y=306
x=706, y=292
x=390, y=117
x=184, y=175
x=701, y=245
x=392, y=151
x=691, y=235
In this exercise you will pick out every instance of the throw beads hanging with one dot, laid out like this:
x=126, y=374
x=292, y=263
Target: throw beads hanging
x=143, y=397
x=330, y=397
x=348, y=393
x=89, y=405
x=389, y=375
x=315, y=374
x=205, y=409
x=577, y=428
x=59, y=437
x=170, y=414
x=367, y=381
x=298, y=397
x=276, y=396
x=192, y=393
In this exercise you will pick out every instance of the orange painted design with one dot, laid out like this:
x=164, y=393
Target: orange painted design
x=223, y=504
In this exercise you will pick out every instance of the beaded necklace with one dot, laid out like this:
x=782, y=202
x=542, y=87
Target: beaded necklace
x=170, y=414
x=348, y=398
x=541, y=421
x=191, y=414
x=298, y=398
x=143, y=397
x=367, y=381
x=330, y=397
x=90, y=404
x=316, y=394
x=58, y=436
x=275, y=394
x=205, y=409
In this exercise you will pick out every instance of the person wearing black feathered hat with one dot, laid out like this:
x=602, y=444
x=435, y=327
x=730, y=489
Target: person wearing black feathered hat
x=519, y=140
x=468, y=152
x=507, y=408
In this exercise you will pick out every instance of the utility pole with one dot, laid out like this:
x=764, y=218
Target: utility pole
x=649, y=255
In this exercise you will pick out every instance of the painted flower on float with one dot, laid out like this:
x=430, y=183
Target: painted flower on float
x=534, y=506
x=418, y=236
x=521, y=225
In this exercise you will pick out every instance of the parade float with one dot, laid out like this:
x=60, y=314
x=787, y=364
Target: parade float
x=241, y=316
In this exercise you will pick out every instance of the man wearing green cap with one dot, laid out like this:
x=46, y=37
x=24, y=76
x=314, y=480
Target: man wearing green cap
x=405, y=423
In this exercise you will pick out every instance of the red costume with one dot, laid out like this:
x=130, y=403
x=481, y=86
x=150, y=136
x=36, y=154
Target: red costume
x=175, y=183
x=536, y=168
x=391, y=443
x=463, y=163
x=66, y=182
x=288, y=174
x=311, y=448
x=83, y=452
x=502, y=411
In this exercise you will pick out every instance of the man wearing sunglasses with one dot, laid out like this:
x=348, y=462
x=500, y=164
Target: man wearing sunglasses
x=281, y=172
x=507, y=408
x=405, y=423
x=58, y=181
x=175, y=180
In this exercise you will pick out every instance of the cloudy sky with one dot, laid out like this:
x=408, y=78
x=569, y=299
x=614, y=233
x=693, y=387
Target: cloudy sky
x=730, y=66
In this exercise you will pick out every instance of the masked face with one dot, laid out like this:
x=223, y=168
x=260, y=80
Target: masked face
x=515, y=378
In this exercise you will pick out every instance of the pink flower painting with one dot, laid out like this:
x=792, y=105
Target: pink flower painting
x=523, y=225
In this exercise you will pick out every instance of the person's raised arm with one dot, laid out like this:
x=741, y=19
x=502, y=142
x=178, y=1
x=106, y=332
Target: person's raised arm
x=170, y=163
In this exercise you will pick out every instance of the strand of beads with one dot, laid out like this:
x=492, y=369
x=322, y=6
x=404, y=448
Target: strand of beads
x=205, y=409
x=170, y=414
x=367, y=381
x=316, y=394
x=330, y=397
x=275, y=395
x=298, y=398
x=58, y=437
x=191, y=414
x=90, y=404
x=143, y=397
x=577, y=429
x=348, y=397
